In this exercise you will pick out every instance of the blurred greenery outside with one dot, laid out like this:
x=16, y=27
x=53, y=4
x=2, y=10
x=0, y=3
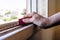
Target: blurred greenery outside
x=14, y=17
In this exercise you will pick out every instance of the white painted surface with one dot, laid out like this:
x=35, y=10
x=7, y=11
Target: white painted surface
x=43, y=7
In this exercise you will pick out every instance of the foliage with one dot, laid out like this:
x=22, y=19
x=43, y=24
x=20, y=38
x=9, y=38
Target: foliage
x=7, y=19
x=24, y=12
x=13, y=17
x=10, y=18
x=1, y=15
x=7, y=13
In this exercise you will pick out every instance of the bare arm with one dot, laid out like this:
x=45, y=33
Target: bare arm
x=54, y=19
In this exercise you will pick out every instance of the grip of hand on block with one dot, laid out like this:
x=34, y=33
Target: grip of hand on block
x=21, y=21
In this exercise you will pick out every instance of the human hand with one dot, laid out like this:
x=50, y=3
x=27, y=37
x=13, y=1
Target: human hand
x=36, y=19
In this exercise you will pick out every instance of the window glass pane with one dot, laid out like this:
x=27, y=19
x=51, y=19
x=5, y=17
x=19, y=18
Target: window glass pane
x=43, y=7
x=40, y=6
x=11, y=10
x=34, y=5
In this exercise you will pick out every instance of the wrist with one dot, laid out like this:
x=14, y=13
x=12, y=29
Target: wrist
x=42, y=22
x=45, y=24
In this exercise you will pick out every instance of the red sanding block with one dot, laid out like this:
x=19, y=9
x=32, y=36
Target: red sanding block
x=21, y=21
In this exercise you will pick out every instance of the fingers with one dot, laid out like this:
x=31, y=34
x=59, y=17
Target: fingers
x=30, y=14
x=27, y=20
x=31, y=19
x=35, y=17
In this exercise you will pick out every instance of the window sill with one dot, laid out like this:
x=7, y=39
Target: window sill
x=8, y=25
x=15, y=31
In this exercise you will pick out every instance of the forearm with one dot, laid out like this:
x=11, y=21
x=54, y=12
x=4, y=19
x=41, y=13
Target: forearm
x=54, y=18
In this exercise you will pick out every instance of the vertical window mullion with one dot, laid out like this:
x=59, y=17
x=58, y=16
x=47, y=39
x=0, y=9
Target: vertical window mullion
x=37, y=6
x=29, y=9
x=33, y=5
x=30, y=5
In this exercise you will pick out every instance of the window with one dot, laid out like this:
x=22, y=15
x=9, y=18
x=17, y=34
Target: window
x=43, y=7
x=40, y=6
x=11, y=10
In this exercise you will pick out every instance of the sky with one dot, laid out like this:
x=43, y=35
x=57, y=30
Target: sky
x=12, y=4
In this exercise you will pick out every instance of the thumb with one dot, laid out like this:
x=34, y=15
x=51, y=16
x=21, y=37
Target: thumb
x=27, y=20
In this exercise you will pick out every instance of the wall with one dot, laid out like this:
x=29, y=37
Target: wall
x=51, y=7
x=57, y=5
x=57, y=28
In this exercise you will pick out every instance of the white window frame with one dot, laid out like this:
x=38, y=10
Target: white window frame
x=33, y=5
